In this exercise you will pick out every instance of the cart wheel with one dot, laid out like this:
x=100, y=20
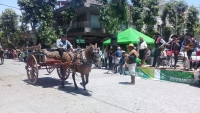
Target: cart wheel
x=50, y=69
x=32, y=69
x=66, y=75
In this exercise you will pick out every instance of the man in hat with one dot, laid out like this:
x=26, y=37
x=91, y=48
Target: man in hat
x=131, y=61
x=173, y=47
x=159, y=43
x=63, y=45
x=189, y=45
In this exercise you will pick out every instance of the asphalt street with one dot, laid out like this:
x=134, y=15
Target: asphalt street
x=108, y=94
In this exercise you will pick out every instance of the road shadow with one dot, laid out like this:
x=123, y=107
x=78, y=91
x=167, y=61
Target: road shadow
x=17, y=61
x=71, y=90
x=125, y=83
x=195, y=85
x=48, y=82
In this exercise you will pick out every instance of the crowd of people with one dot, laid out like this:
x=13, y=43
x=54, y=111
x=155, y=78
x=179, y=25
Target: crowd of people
x=121, y=60
x=15, y=54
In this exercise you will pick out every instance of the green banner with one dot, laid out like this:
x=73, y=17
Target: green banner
x=177, y=76
x=145, y=72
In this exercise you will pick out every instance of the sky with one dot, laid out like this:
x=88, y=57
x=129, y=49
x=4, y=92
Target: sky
x=14, y=4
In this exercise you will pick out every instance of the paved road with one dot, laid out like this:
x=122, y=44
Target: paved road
x=109, y=94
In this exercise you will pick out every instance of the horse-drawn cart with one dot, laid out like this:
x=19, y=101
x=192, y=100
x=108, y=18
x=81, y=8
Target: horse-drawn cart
x=38, y=59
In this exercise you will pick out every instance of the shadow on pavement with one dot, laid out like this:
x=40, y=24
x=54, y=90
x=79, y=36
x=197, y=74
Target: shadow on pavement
x=47, y=82
x=71, y=90
x=195, y=85
x=17, y=61
x=124, y=83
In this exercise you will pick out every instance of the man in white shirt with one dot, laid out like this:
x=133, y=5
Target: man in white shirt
x=105, y=57
x=142, y=46
x=99, y=64
x=63, y=45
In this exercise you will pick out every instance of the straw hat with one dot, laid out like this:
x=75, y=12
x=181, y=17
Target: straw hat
x=131, y=45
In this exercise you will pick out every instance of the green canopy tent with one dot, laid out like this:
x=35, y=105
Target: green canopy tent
x=130, y=35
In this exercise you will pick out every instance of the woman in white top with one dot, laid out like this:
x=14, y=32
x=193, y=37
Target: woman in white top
x=142, y=46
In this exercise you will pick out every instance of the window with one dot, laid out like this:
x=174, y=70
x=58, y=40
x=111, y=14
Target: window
x=95, y=23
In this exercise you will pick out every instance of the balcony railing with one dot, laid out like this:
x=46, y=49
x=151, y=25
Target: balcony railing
x=82, y=24
x=97, y=2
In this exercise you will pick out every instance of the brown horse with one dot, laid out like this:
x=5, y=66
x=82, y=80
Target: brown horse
x=81, y=63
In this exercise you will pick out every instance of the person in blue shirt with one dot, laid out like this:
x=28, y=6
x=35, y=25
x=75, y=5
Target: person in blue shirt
x=63, y=45
x=118, y=55
x=120, y=63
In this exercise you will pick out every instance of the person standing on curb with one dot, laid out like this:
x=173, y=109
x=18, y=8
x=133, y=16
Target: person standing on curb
x=105, y=57
x=131, y=61
x=142, y=46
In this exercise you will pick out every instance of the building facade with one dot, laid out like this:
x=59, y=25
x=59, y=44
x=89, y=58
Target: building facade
x=86, y=25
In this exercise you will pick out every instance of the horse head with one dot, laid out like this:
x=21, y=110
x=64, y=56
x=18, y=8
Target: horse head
x=92, y=53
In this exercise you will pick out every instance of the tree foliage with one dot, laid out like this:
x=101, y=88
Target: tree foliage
x=47, y=33
x=137, y=17
x=39, y=14
x=192, y=19
x=170, y=10
x=71, y=12
x=113, y=14
x=150, y=16
x=9, y=21
x=9, y=24
x=167, y=31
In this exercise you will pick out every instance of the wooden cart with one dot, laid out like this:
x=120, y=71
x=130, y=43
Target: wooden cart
x=36, y=63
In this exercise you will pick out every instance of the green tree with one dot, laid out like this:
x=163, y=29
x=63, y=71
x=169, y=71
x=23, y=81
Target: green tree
x=192, y=19
x=167, y=31
x=39, y=14
x=150, y=16
x=197, y=30
x=113, y=14
x=137, y=17
x=47, y=34
x=174, y=11
x=71, y=12
x=9, y=24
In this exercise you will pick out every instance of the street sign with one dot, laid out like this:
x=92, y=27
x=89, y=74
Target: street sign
x=80, y=41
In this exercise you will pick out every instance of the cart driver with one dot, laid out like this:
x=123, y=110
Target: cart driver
x=63, y=45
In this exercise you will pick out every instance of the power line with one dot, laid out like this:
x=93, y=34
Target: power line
x=9, y=6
